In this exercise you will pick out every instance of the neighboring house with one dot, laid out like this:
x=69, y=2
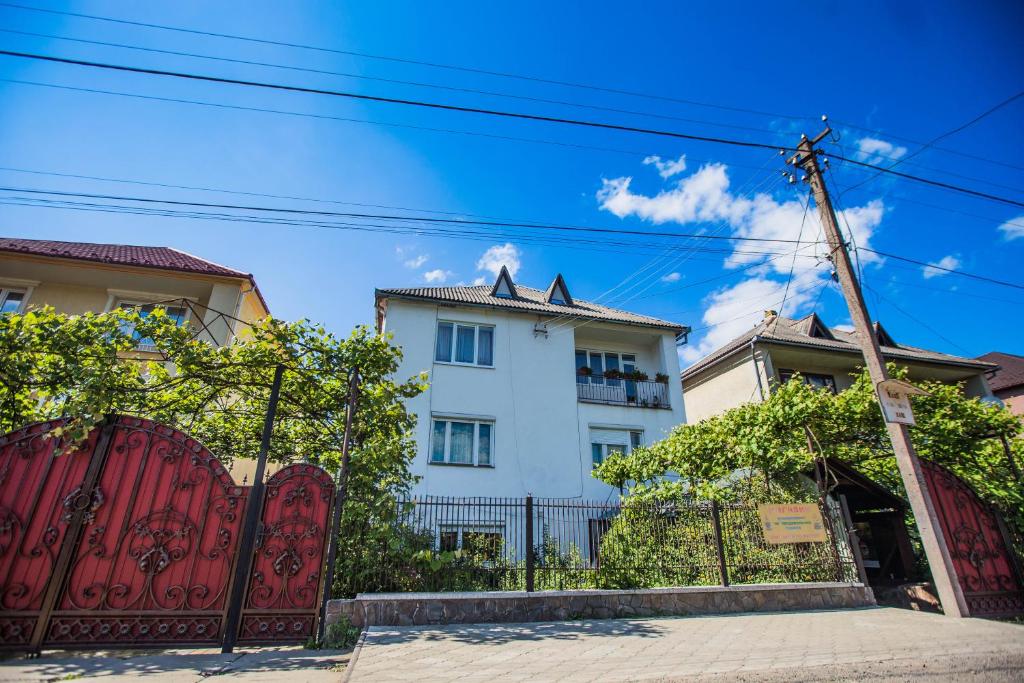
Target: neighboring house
x=79, y=277
x=747, y=368
x=1007, y=382
x=509, y=410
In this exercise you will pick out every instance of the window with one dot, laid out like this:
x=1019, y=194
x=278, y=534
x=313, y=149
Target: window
x=604, y=442
x=482, y=541
x=11, y=300
x=464, y=344
x=176, y=313
x=816, y=381
x=462, y=442
x=599, y=362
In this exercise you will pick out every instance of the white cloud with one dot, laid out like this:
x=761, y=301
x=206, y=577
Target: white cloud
x=874, y=151
x=731, y=311
x=844, y=327
x=417, y=261
x=480, y=281
x=672, y=277
x=704, y=197
x=667, y=169
x=1013, y=228
x=437, y=275
x=499, y=255
x=949, y=262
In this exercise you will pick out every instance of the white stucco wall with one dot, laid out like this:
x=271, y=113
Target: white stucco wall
x=541, y=430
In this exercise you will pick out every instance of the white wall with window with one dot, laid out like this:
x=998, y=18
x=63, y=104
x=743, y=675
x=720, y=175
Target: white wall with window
x=501, y=416
x=607, y=440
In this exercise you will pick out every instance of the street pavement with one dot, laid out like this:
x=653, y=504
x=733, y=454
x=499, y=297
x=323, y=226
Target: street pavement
x=278, y=664
x=871, y=644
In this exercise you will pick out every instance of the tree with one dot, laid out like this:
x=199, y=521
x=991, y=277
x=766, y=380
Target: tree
x=83, y=367
x=757, y=451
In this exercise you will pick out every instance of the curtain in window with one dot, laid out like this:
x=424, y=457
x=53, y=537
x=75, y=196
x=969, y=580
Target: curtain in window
x=485, y=346
x=437, y=447
x=443, y=351
x=461, y=449
x=484, y=449
x=464, y=344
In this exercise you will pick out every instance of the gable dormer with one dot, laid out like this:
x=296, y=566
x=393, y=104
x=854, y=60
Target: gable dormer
x=812, y=326
x=558, y=293
x=883, y=337
x=503, y=287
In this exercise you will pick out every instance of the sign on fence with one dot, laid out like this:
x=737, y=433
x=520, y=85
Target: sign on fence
x=792, y=523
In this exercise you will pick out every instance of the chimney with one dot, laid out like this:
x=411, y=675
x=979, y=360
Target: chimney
x=770, y=314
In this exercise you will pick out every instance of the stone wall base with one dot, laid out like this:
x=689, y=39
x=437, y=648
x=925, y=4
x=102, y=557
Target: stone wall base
x=408, y=609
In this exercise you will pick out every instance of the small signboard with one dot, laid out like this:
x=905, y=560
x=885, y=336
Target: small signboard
x=792, y=523
x=894, y=395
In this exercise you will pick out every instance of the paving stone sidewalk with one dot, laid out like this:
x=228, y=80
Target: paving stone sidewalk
x=278, y=664
x=872, y=644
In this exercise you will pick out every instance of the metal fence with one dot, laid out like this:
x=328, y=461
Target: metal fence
x=493, y=544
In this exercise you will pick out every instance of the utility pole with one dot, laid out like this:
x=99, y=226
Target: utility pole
x=935, y=548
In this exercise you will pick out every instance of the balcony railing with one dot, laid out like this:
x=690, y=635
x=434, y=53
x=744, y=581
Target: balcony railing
x=622, y=392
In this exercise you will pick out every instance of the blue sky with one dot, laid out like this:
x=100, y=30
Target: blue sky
x=890, y=75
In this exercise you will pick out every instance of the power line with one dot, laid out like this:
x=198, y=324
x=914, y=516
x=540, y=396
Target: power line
x=426, y=219
x=943, y=136
x=386, y=100
x=947, y=270
x=418, y=84
x=915, y=319
x=927, y=181
x=489, y=112
x=403, y=60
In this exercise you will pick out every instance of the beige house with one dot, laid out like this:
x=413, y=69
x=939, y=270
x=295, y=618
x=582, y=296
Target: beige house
x=747, y=368
x=79, y=277
x=1007, y=382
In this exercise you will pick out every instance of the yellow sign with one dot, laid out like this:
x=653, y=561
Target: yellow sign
x=792, y=523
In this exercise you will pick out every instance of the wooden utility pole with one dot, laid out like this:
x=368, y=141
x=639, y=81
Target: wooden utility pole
x=935, y=548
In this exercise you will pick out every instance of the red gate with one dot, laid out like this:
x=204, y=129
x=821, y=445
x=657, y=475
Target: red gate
x=983, y=558
x=132, y=539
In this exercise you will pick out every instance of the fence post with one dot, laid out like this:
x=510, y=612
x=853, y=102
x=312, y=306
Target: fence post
x=716, y=521
x=851, y=535
x=251, y=522
x=530, y=559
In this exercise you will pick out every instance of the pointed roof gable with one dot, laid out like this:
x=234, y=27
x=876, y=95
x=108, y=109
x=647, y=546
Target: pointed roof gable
x=503, y=286
x=883, y=337
x=558, y=292
x=812, y=326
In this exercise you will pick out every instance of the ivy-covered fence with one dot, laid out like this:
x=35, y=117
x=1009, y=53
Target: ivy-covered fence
x=503, y=544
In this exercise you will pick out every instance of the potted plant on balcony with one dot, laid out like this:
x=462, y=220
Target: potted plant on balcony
x=661, y=378
x=636, y=375
x=585, y=371
x=613, y=374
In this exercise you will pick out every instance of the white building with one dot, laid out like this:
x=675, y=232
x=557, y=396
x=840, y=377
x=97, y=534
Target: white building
x=508, y=411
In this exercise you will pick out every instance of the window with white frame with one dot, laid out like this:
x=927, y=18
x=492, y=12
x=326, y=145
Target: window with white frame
x=12, y=300
x=462, y=442
x=179, y=314
x=600, y=362
x=464, y=344
x=604, y=442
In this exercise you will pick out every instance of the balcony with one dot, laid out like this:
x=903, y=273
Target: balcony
x=616, y=391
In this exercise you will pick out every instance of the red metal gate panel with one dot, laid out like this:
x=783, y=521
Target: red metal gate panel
x=155, y=558
x=38, y=488
x=132, y=539
x=285, y=580
x=985, y=565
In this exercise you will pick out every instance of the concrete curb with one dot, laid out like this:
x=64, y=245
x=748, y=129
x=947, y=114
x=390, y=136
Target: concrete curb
x=355, y=656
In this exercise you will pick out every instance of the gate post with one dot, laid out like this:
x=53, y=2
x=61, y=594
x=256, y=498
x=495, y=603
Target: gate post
x=61, y=566
x=851, y=535
x=530, y=558
x=716, y=522
x=253, y=512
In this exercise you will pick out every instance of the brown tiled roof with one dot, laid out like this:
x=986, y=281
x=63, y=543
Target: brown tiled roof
x=795, y=332
x=527, y=300
x=1010, y=372
x=160, y=258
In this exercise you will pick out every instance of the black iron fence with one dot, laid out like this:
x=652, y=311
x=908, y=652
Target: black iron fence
x=622, y=392
x=495, y=544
